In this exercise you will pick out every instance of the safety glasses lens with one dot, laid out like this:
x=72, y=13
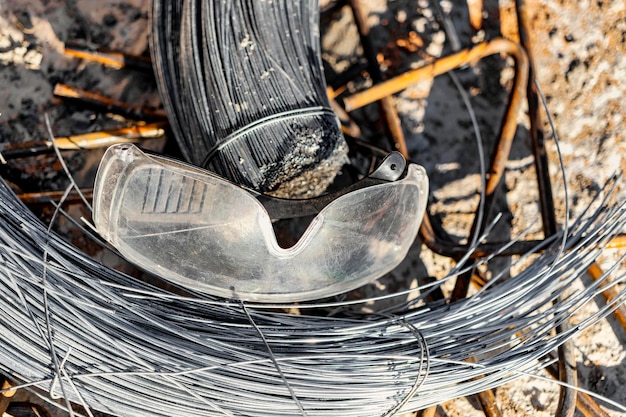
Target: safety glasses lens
x=205, y=233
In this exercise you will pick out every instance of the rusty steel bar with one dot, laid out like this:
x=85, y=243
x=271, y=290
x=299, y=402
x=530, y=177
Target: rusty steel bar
x=618, y=242
x=6, y=396
x=438, y=67
x=108, y=104
x=91, y=140
x=486, y=399
x=568, y=374
x=567, y=361
x=427, y=412
x=116, y=60
x=475, y=8
x=386, y=103
x=395, y=127
x=46, y=197
x=588, y=407
x=609, y=294
x=445, y=64
x=456, y=250
x=585, y=404
x=105, y=138
x=537, y=136
x=348, y=126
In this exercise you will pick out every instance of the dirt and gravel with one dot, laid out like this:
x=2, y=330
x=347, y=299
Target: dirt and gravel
x=579, y=50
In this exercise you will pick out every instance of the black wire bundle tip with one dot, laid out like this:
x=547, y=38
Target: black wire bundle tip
x=243, y=86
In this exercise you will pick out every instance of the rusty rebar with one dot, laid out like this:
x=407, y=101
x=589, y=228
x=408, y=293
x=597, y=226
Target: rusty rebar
x=386, y=102
x=609, y=294
x=90, y=140
x=89, y=98
x=585, y=404
x=567, y=361
x=116, y=60
x=438, y=67
x=47, y=197
x=537, y=135
x=618, y=242
x=6, y=396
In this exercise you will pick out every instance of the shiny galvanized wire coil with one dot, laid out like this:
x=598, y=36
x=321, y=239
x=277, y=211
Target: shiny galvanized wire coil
x=75, y=328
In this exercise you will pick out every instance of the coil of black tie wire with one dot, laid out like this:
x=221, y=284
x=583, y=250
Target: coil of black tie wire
x=244, y=88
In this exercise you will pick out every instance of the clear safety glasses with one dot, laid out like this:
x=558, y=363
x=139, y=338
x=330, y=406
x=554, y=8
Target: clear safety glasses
x=203, y=232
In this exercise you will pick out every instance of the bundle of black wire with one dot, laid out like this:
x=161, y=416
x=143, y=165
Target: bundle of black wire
x=243, y=85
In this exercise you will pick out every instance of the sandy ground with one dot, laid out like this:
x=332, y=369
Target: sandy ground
x=580, y=56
